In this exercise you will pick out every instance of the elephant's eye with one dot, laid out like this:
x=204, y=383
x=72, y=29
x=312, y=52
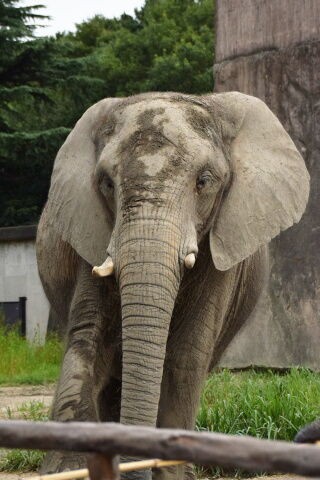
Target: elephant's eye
x=107, y=186
x=204, y=180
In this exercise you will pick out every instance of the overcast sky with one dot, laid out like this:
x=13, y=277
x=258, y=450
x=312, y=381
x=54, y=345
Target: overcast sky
x=66, y=13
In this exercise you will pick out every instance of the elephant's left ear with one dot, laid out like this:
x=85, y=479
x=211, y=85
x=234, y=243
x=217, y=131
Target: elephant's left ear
x=75, y=207
x=270, y=183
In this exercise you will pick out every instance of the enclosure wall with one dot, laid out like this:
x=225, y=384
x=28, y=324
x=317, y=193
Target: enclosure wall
x=19, y=278
x=271, y=49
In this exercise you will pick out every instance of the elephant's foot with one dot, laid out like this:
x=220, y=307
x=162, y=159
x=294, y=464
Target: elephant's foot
x=135, y=474
x=181, y=472
x=62, y=461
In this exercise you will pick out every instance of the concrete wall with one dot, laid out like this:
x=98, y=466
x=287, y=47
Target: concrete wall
x=271, y=49
x=19, y=278
x=249, y=26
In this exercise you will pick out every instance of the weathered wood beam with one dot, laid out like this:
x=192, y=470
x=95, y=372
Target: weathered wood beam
x=226, y=451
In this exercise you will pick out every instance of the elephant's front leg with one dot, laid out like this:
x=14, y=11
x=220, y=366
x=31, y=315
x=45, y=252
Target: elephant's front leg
x=86, y=365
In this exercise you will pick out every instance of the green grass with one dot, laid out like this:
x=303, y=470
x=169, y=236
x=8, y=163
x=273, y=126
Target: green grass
x=21, y=461
x=22, y=362
x=262, y=404
x=18, y=459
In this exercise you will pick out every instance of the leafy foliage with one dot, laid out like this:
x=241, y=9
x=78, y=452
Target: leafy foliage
x=42, y=92
x=168, y=46
x=47, y=83
x=26, y=164
x=14, y=28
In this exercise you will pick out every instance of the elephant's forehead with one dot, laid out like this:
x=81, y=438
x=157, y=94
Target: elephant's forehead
x=157, y=136
x=163, y=129
x=168, y=117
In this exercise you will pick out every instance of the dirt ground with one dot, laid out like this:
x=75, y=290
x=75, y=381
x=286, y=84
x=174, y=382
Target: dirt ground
x=11, y=398
x=13, y=476
x=9, y=476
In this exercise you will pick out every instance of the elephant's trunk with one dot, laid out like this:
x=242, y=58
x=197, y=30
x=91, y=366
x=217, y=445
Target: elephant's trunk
x=149, y=277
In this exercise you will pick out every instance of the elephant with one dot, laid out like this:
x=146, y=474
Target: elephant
x=309, y=433
x=152, y=250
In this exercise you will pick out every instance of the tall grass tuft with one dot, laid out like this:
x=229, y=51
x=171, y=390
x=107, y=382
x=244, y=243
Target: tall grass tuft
x=262, y=404
x=22, y=362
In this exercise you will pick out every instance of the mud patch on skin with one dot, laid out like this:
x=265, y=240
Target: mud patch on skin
x=187, y=99
x=176, y=166
x=202, y=123
x=146, y=118
x=169, y=96
x=104, y=132
x=142, y=142
x=141, y=158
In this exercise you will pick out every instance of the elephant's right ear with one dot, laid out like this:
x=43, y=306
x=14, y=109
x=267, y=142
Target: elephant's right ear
x=75, y=207
x=270, y=183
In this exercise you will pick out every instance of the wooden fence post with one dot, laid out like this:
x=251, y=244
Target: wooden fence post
x=103, y=467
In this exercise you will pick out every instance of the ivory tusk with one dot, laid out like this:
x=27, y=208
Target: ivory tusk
x=190, y=260
x=105, y=269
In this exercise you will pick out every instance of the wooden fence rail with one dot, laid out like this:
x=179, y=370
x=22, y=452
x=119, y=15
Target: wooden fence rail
x=112, y=439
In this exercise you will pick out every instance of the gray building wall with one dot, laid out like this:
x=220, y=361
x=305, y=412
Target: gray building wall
x=19, y=278
x=271, y=49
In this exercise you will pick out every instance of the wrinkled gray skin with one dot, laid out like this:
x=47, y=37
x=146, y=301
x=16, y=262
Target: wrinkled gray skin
x=148, y=180
x=309, y=433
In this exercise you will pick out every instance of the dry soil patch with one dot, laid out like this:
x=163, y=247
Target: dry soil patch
x=11, y=398
x=15, y=476
x=9, y=476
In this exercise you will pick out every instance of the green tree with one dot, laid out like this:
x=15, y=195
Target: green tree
x=14, y=27
x=168, y=45
x=179, y=37
x=44, y=88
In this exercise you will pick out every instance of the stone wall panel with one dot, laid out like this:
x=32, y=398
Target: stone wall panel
x=248, y=26
x=285, y=328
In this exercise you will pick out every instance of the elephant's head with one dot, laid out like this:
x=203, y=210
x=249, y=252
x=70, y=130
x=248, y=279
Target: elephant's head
x=142, y=180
